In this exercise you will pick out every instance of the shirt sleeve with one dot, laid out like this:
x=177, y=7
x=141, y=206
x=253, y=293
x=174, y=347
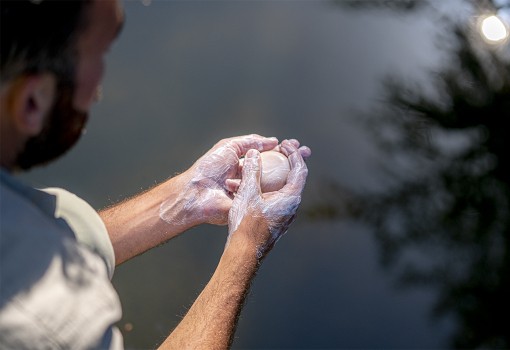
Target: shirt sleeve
x=86, y=224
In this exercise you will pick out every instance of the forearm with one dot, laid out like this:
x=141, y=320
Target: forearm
x=135, y=226
x=196, y=196
x=211, y=321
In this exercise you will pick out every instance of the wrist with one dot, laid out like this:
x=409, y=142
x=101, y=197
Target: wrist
x=251, y=240
x=178, y=203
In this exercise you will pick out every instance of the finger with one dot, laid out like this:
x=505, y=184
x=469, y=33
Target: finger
x=298, y=170
x=305, y=152
x=287, y=147
x=232, y=185
x=242, y=144
x=251, y=172
x=293, y=141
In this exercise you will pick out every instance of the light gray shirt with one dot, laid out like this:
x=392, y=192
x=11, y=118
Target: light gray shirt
x=55, y=291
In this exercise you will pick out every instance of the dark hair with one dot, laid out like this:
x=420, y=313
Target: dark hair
x=40, y=36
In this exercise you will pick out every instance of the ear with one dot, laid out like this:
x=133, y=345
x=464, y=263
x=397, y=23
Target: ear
x=31, y=100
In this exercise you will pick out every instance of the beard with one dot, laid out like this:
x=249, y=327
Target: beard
x=63, y=128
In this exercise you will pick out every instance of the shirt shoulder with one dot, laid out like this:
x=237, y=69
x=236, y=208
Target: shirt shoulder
x=86, y=224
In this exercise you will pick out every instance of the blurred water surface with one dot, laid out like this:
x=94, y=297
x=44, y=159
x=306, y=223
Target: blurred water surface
x=184, y=75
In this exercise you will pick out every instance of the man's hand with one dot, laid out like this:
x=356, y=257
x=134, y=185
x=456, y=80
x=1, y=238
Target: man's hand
x=202, y=194
x=207, y=198
x=276, y=209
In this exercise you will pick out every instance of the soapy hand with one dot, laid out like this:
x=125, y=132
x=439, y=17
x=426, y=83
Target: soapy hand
x=277, y=209
x=207, y=198
x=273, y=182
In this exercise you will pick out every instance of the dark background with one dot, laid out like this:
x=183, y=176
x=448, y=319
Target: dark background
x=184, y=75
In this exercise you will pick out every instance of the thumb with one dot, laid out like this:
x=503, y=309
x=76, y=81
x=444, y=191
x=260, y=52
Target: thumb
x=251, y=172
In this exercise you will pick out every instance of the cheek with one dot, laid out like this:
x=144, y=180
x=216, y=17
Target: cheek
x=90, y=72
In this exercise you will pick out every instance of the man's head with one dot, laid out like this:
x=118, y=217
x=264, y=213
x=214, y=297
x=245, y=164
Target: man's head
x=52, y=61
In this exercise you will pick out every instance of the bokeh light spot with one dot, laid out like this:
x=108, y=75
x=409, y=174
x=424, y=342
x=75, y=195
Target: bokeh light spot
x=493, y=29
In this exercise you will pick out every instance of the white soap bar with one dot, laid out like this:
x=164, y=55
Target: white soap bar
x=275, y=168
